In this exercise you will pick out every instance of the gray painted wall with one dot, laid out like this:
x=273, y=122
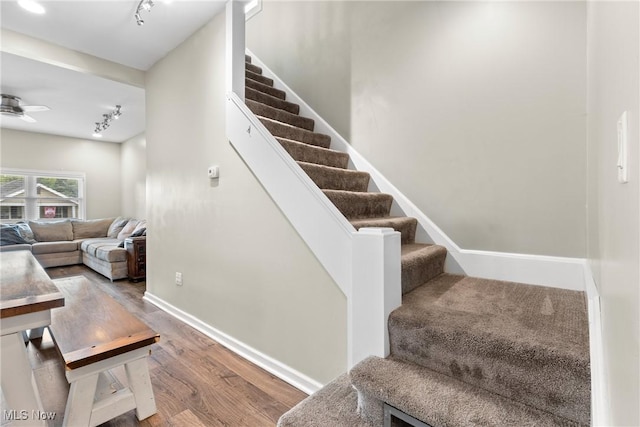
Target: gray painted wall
x=475, y=110
x=245, y=270
x=133, y=157
x=100, y=161
x=613, y=208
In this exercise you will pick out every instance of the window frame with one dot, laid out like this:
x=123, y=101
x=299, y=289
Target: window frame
x=31, y=176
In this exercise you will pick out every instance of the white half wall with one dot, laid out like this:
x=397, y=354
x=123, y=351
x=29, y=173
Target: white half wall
x=100, y=161
x=246, y=272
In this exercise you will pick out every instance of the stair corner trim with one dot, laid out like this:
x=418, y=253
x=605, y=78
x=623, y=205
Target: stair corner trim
x=269, y=364
x=600, y=415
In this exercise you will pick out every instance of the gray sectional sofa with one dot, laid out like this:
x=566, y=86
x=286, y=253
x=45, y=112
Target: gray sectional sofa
x=96, y=243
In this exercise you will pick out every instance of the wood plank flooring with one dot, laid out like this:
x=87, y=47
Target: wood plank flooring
x=197, y=382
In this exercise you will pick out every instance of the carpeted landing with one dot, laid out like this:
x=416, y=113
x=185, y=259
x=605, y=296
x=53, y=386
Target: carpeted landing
x=464, y=351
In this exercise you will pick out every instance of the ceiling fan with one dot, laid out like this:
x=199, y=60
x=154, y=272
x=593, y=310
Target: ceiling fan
x=10, y=106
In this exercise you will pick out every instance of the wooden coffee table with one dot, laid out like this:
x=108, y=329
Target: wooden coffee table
x=27, y=296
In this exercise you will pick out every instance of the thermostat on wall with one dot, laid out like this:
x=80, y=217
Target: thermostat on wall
x=213, y=171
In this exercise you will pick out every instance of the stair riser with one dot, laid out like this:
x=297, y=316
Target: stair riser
x=527, y=377
x=247, y=59
x=419, y=271
x=354, y=206
x=296, y=134
x=437, y=399
x=258, y=78
x=407, y=229
x=307, y=153
x=343, y=180
x=280, y=115
x=277, y=93
x=253, y=68
x=272, y=101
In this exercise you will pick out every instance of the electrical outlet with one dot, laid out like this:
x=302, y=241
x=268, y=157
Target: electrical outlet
x=178, y=278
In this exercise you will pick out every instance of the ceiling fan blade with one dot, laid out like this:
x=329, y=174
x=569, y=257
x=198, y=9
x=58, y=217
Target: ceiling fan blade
x=32, y=108
x=28, y=118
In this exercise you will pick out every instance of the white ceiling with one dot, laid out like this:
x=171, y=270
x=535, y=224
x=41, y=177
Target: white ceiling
x=106, y=29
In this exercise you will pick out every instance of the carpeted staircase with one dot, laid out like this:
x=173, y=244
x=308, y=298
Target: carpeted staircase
x=464, y=351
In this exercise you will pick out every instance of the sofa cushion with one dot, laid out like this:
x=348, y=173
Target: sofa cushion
x=23, y=247
x=91, y=228
x=52, y=231
x=128, y=229
x=54, y=247
x=116, y=226
x=104, y=249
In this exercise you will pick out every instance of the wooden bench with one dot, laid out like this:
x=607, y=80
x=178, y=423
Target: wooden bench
x=94, y=334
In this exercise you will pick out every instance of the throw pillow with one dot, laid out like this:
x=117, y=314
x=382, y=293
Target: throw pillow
x=9, y=235
x=116, y=226
x=139, y=232
x=52, y=231
x=91, y=228
x=128, y=229
x=25, y=232
x=141, y=224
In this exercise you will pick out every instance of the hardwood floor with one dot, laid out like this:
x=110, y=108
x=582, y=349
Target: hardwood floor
x=197, y=382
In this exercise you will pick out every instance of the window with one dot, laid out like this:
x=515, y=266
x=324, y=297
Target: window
x=30, y=195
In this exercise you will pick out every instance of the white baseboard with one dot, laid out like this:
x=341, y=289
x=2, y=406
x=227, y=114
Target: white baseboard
x=269, y=364
x=599, y=388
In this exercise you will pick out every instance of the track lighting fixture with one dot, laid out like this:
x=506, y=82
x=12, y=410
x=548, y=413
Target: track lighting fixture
x=106, y=121
x=143, y=5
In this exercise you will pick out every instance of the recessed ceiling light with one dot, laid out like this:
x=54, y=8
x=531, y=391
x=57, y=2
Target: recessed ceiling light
x=31, y=6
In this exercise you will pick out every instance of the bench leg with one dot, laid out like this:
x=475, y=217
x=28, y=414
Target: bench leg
x=18, y=383
x=80, y=401
x=36, y=333
x=140, y=385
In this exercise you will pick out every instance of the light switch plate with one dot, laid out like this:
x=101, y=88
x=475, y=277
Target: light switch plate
x=623, y=141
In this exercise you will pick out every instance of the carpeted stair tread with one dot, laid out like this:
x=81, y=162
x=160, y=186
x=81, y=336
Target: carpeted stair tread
x=272, y=101
x=247, y=59
x=404, y=224
x=527, y=343
x=258, y=78
x=283, y=130
x=253, y=68
x=302, y=152
x=421, y=263
x=332, y=406
x=356, y=205
x=279, y=115
x=269, y=90
x=330, y=178
x=440, y=400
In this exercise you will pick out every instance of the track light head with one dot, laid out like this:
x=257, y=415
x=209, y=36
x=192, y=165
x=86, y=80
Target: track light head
x=106, y=121
x=97, y=132
x=145, y=5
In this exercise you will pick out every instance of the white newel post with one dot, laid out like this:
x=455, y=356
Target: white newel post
x=235, y=19
x=375, y=292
